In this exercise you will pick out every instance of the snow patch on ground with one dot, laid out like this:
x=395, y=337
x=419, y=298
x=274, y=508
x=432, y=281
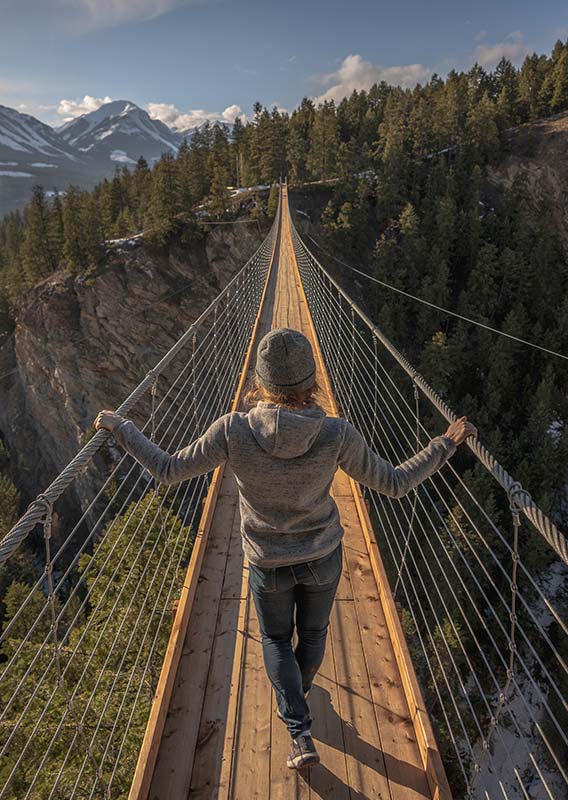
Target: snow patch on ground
x=122, y=157
x=41, y=164
x=555, y=430
x=119, y=245
x=11, y=143
x=8, y=163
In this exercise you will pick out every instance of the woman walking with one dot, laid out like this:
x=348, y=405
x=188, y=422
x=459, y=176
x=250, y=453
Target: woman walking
x=284, y=453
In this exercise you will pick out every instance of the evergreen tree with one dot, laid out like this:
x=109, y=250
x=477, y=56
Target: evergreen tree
x=299, y=133
x=162, y=216
x=273, y=200
x=323, y=142
x=37, y=257
x=559, y=99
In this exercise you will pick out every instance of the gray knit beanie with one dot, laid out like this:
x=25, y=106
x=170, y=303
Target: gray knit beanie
x=285, y=361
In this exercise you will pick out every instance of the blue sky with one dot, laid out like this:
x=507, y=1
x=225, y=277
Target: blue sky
x=187, y=60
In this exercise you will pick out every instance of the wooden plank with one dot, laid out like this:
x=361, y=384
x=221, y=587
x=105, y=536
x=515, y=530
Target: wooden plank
x=430, y=753
x=171, y=774
x=284, y=782
x=328, y=781
x=233, y=580
x=405, y=770
x=341, y=486
x=251, y=757
x=366, y=769
x=208, y=761
x=235, y=688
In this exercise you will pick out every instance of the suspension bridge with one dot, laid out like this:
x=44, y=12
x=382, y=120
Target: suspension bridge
x=133, y=668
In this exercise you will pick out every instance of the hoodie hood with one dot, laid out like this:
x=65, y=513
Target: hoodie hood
x=285, y=433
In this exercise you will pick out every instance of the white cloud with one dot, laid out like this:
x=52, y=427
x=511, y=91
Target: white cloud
x=89, y=14
x=279, y=107
x=69, y=109
x=172, y=116
x=513, y=48
x=231, y=113
x=356, y=73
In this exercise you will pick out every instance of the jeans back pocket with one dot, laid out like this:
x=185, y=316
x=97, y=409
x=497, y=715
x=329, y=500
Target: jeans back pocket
x=262, y=579
x=327, y=569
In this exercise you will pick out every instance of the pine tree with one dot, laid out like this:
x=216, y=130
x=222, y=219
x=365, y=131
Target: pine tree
x=184, y=175
x=482, y=130
x=299, y=132
x=323, y=142
x=162, y=220
x=559, y=99
x=73, y=234
x=37, y=256
x=141, y=189
x=219, y=198
x=237, y=151
x=273, y=200
x=506, y=86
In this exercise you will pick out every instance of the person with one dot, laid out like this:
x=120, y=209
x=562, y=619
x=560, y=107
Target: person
x=284, y=452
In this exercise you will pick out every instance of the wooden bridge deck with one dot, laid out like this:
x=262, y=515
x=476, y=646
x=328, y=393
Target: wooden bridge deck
x=221, y=737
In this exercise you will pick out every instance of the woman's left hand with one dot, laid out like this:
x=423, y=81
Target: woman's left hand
x=108, y=420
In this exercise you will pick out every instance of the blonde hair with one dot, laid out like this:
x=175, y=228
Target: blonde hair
x=289, y=399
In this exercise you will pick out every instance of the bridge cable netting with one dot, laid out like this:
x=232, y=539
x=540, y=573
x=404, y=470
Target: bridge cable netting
x=81, y=650
x=482, y=599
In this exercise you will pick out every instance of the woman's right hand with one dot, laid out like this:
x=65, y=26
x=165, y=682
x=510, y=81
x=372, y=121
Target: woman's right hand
x=460, y=430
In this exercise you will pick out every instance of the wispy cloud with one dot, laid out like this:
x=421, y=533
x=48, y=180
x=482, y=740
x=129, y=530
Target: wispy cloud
x=92, y=14
x=356, y=73
x=172, y=116
x=513, y=47
x=69, y=109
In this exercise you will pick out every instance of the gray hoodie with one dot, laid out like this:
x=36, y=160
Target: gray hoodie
x=284, y=463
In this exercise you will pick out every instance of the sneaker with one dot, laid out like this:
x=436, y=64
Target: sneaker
x=278, y=714
x=303, y=752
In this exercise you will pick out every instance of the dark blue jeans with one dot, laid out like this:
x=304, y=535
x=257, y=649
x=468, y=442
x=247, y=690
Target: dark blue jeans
x=310, y=588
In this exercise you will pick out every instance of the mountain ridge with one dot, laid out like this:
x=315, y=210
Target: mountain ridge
x=82, y=151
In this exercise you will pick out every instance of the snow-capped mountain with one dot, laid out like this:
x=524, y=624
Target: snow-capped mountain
x=22, y=135
x=82, y=151
x=32, y=152
x=120, y=132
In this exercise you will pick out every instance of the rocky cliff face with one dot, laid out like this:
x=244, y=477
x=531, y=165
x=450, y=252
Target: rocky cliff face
x=539, y=157
x=82, y=342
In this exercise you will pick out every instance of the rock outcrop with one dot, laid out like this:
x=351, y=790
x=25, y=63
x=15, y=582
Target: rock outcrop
x=539, y=157
x=81, y=343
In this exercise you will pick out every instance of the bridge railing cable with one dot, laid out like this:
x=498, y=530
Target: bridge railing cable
x=481, y=596
x=82, y=647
